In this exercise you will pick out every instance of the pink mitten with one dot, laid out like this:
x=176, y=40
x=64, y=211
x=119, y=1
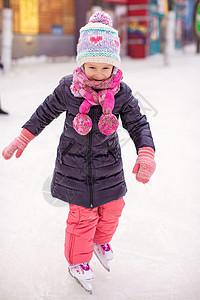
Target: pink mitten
x=145, y=164
x=18, y=144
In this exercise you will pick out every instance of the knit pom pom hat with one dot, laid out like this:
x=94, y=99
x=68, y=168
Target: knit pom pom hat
x=98, y=41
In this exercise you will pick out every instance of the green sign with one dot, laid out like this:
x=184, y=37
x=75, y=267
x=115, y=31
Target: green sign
x=197, y=20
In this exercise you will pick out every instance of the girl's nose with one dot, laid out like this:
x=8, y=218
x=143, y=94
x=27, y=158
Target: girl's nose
x=98, y=76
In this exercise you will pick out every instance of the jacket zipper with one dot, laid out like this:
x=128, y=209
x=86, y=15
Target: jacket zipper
x=66, y=150
x=90, y=168
x=112, y=153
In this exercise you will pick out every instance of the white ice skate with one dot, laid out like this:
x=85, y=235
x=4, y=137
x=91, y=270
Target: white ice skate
x=83, y=274
x=105, y=254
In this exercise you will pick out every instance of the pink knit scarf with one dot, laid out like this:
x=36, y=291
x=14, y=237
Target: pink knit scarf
x=83, y=87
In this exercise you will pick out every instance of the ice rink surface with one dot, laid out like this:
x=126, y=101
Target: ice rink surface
x=157, y=244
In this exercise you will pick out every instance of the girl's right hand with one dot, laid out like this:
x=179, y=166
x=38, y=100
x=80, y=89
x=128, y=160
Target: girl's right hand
x=19, y=144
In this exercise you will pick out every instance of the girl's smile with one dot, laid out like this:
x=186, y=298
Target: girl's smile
x=97, y=71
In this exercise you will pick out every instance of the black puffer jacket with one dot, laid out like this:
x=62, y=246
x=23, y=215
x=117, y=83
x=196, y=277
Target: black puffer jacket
x=88, y=170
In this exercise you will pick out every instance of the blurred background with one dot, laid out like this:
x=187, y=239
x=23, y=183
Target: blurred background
x=43, y=27
x=157, y=245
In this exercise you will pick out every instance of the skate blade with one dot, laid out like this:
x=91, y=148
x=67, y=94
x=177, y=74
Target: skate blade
x=105, y=267
x=85, y=285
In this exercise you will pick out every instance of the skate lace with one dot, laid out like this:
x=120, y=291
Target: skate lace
x=106, y=247
x=84, y=266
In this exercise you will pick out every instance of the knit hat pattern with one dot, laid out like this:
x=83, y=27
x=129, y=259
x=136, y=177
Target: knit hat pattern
x=98, y=41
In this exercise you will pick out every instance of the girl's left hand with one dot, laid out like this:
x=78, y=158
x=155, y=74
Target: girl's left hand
x=145, y=164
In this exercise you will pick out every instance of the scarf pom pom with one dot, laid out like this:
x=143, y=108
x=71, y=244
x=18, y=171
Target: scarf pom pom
x=82, y=124
x=108, y=124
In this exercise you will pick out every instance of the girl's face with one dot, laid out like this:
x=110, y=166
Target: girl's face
x=97, y=71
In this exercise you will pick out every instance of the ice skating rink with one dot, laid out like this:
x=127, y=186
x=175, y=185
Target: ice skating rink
x=157, y=244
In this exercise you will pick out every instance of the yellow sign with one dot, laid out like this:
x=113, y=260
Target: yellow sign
x=29, y=16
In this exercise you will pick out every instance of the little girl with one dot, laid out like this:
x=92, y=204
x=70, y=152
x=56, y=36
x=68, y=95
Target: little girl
x=88, y=170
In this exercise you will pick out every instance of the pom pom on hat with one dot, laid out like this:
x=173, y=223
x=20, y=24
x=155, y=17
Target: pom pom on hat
x=101, y=17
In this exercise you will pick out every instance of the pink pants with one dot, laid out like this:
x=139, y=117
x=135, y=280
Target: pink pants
x=86, y=226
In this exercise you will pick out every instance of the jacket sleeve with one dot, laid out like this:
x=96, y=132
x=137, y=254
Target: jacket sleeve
x=135, y=123
x=50, y=109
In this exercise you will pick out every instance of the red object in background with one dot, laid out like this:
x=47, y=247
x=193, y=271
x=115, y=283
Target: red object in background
x=118, y=1
x=138, y=28
x=138, y=2
x=137, y=49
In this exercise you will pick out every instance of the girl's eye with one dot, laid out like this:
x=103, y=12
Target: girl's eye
x=92, y=67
